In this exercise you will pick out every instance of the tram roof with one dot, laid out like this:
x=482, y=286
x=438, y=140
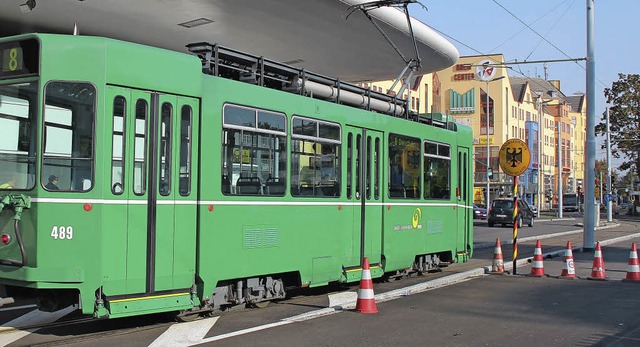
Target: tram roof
x=310, y=34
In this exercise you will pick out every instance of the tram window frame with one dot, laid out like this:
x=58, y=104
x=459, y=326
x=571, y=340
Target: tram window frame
x=265, y=133
x=186, y=128
x=18, y=144
x=317, y=144
x=405, y=181
x=165, y=159
x=439, y=154
x=69, y=114
x=140, y=147
x=349, y=163
x=118, y=133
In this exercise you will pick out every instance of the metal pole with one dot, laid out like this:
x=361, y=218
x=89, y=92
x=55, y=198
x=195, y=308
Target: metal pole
x=590, y=143
x=540, y=173
x=515, y=223
x=560, y=168
x=610, y=202
x=488, y=151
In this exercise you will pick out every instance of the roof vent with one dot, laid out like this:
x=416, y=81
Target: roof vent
x=195, y=23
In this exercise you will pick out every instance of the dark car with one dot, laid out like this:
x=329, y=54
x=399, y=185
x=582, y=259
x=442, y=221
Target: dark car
x=479, y=212
x=501, y=212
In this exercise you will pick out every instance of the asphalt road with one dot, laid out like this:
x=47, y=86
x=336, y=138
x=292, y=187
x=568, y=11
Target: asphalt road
x=459, y=306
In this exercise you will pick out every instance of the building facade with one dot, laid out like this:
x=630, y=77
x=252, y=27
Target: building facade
x=504, y=107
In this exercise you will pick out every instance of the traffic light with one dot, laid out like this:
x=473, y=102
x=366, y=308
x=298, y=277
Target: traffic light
x=579, y=189
x=489, y=173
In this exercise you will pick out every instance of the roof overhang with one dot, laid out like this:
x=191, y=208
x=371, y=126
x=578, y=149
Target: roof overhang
x=311, y=34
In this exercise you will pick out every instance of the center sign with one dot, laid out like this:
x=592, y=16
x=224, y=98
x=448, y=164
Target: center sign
x=514, y=157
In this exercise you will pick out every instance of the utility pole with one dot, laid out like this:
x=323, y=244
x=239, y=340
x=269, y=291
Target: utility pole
x=560, y=168
x=540, y=173
x=488, y=153
x=609, y=187
x=590, y=143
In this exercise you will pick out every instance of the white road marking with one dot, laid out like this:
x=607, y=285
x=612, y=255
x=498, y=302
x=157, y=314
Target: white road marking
x=342, y=299
x=10, y=332
x=185, y=334
x=242, y=332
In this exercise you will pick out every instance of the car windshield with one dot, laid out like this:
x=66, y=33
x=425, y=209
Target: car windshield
x=503, y=203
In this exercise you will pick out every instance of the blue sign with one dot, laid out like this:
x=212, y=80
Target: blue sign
x=607, y=197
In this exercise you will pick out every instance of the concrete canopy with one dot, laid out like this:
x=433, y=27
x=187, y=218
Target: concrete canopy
x=310, y=34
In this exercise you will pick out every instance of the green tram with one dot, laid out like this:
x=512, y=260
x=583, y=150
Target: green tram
x=138, y=180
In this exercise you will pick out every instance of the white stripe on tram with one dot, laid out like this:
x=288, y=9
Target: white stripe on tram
x=243, y=202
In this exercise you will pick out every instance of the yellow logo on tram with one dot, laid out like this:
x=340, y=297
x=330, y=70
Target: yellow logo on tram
x=417, y=216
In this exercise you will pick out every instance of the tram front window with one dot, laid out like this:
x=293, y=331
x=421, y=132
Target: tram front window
x=68, y=135
x=18, y=103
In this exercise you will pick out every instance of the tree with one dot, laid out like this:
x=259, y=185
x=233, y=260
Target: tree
x=624, y=119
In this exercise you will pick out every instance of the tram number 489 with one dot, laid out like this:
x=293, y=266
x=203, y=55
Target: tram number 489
x=62, y=232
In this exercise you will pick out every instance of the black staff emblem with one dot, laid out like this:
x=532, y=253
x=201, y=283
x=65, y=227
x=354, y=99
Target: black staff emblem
x=514, y=156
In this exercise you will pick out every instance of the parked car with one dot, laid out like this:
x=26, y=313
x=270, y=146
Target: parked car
x=533, y=208
x=479, y=212
x=501, y=212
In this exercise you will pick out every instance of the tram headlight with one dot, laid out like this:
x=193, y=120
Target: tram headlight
x=5, y=238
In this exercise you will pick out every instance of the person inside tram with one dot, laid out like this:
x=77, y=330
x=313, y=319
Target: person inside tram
x=53, y=183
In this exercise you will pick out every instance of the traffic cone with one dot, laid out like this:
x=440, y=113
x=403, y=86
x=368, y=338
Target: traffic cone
x=498, y=260
x=597, y=270
x=568, y=270
x=633, y=271
x=366, y=300
x=537, y=268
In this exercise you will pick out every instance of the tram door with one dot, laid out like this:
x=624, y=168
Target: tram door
x=364, y=177
x=152, y=175
x=465, y=198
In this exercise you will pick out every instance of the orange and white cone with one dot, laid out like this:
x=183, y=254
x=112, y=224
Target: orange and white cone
x=498, y=261
x=537, y=267
x=568, y=269
x=633, y=271
x=366, y=299
x=597, y=270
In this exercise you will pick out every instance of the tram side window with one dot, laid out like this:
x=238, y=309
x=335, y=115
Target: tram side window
x=254, y=152
x=185, y=151
x=139, y=146
x=437, y=171
x=166, y=148
x=69, y=113
x=404, y=167
x=17, y=135
x=117, y=152
x=315, y=158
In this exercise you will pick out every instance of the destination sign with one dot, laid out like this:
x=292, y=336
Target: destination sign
x=19, y=58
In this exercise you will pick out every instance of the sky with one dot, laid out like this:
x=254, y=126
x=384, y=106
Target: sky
x=478, y=27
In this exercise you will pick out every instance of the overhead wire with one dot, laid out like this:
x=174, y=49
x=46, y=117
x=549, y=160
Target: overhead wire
x=551, y=28
x=543, y=38
x=525, y=28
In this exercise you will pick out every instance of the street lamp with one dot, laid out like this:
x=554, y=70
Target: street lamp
x=488, y=147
